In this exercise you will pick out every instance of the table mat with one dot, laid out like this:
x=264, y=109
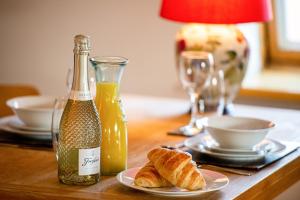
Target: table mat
x=15, y=139
x=12, y=136
x=270, y=158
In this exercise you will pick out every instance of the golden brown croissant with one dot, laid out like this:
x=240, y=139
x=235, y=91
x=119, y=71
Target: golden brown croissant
x=148, y=176
x=177, y=167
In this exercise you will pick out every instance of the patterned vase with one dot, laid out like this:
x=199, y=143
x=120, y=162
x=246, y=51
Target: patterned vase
x=229, y=48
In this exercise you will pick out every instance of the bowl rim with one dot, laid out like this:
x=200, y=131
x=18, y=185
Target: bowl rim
x=271, y=125
x=10, y=104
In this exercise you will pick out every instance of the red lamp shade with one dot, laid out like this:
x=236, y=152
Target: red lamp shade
x=216, y=11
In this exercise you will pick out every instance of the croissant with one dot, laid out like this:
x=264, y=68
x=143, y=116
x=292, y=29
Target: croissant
x=177, y=167
x=148, y=176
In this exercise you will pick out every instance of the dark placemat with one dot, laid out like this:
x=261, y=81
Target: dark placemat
x=254, y=165
x=15, y=139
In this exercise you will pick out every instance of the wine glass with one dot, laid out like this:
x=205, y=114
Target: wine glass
x=213, y=94
x=195, y=67
x=58, y=108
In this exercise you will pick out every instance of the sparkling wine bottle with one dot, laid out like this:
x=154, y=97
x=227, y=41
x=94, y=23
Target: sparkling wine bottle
x=79, y=130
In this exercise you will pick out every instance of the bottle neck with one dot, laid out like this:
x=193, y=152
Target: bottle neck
x=80, y=86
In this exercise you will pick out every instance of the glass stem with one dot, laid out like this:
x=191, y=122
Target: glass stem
x=197, y=109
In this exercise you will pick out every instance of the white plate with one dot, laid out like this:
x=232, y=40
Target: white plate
x=237, y=157
x=4, y=125
x=214, y=181
x=14, y=122
x=256, y=150
x=210, y=143
x=203, y=143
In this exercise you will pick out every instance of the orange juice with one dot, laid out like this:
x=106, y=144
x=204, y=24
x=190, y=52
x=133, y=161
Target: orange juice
x=114, y=130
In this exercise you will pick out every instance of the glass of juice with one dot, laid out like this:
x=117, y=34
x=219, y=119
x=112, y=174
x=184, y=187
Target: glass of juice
x=108, y=73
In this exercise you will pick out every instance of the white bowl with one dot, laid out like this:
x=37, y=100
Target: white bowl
x=34, y=111
x=238, y=132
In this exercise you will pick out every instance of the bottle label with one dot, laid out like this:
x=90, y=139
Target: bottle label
x=80, y=95
x=89, y=161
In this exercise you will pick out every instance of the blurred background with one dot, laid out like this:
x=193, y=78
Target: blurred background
x=37, y=42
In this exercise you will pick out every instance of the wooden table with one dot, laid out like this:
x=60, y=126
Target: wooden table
x=32, y=173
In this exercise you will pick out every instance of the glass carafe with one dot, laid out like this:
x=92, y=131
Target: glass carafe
x=108, y=72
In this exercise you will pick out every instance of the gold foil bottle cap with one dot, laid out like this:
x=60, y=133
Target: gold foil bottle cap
x=82, y=44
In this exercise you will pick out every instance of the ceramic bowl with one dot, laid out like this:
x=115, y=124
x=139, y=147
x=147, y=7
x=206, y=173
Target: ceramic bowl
x=33, y=111
x=238, y=132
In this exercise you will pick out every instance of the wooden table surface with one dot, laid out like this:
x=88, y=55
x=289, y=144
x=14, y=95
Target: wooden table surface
x=32, y=173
